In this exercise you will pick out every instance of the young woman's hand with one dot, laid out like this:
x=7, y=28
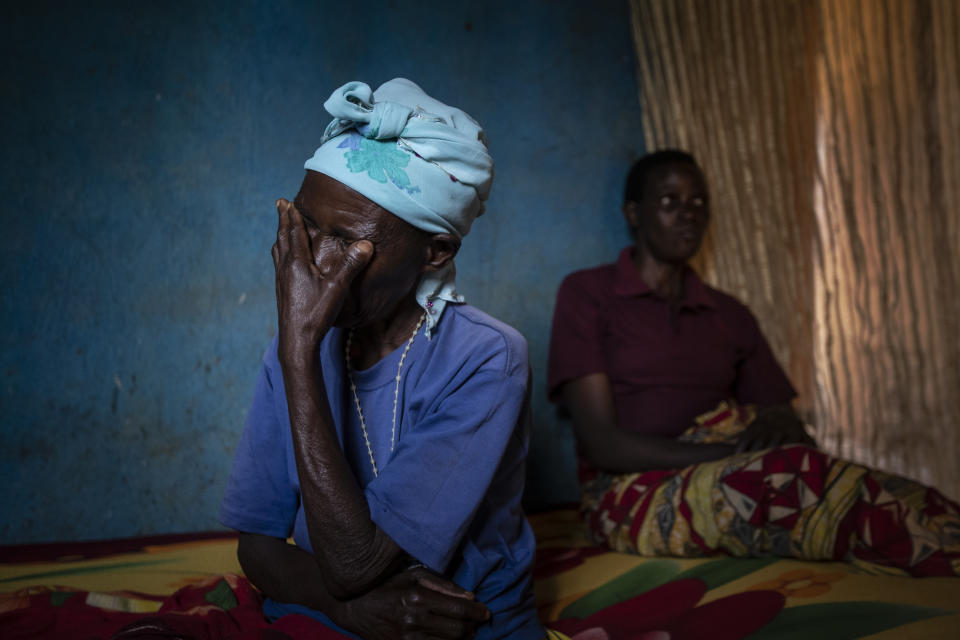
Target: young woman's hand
x=309, y=297
x=774, y=426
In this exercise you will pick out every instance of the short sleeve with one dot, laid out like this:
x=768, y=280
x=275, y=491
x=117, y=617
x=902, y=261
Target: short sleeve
x=575, y=346
x=760, y=379
x=259, y=497
x=427, y=496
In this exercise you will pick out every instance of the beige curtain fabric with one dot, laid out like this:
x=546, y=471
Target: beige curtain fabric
x=830, y=134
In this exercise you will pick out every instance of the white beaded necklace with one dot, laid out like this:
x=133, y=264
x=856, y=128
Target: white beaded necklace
x=396, y=393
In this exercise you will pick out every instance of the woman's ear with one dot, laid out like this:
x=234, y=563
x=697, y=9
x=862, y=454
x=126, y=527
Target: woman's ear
x=441, y=249
x=631, y=212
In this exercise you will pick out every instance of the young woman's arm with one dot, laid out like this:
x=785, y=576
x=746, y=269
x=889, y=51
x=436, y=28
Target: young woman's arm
x=607, y=446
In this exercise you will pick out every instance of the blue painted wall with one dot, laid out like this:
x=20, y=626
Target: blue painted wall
x=144, y=145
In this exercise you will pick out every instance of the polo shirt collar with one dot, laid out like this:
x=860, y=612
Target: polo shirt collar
x=628, y=284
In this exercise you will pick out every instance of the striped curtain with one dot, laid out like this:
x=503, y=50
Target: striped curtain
x=829, y=131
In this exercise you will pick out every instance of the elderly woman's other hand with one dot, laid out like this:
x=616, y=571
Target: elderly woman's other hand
x=416, y=603
x=774, y=426
x=310, y=297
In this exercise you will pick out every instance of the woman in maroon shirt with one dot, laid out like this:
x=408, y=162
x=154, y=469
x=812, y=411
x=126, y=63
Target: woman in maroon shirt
x=641, y=347
x=688, y=441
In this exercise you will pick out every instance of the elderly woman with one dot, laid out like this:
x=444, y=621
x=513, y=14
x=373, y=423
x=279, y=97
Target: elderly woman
x=688, y=441
x=389, y=425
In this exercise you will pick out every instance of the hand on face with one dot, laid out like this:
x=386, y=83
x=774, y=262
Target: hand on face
x=774, y=426
x=309, y=297
x=416, y=603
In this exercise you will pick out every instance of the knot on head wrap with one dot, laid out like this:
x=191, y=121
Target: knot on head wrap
x=422, y=160
x=353, y=105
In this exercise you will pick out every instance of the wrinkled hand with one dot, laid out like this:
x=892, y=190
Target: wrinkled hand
x=311, y=287
x=774, y=426
x=415, y=604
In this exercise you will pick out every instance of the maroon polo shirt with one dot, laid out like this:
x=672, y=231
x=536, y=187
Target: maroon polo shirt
x=665, y=368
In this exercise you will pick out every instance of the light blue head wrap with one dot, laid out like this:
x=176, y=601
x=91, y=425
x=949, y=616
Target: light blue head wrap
x=421, y=160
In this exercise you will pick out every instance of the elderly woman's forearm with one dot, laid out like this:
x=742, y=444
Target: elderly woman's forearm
x=354, y=554
x=285, y=573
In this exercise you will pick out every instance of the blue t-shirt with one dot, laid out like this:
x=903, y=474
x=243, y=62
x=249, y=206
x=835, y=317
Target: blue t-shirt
x=449, y=493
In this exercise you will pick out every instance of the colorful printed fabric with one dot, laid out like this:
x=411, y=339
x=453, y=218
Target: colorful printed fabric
x=220, y=608
x=792, y=501
x=583, y=592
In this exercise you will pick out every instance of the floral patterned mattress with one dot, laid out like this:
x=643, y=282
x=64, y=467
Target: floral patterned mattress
x=582, y=592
